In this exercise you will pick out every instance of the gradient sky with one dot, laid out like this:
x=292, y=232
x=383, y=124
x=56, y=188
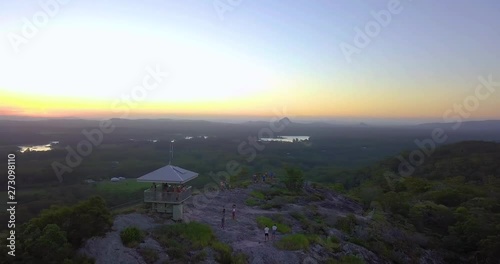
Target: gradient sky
x=262, y=56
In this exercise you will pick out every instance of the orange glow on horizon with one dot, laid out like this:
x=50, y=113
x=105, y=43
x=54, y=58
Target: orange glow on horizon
x=295, y=104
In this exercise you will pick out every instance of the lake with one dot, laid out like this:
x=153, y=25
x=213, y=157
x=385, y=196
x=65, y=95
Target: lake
x=45, y=147
x=189, y=137
x=286, y=138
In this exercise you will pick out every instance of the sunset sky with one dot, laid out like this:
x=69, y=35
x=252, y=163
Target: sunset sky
x=84, y=58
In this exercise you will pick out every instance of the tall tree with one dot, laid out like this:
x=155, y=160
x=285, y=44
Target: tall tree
x=294, y=179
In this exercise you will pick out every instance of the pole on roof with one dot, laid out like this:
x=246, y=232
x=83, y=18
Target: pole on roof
x=171, y=151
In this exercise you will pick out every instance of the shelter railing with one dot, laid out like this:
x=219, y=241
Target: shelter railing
x=158, y=195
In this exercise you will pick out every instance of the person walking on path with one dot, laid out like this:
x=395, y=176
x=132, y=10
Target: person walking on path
x=266, y=233
x=273, y=234
x=223, y=220
x=234, y=211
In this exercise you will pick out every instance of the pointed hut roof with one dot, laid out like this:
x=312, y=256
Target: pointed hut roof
x=169, y=174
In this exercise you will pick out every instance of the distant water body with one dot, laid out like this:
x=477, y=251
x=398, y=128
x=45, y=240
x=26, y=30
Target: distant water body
x=286, y=138
x=189, y=137
x=45, y=147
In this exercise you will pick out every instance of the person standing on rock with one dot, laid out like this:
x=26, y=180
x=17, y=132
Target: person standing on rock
x=273, y=234
x=234, y=211
x=222, y=186
x=222, y=221
x=266, y=233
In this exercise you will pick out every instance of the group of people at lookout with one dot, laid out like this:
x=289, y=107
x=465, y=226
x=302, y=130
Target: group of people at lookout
x=266, y=176
x=257, y=177
x=273, y=229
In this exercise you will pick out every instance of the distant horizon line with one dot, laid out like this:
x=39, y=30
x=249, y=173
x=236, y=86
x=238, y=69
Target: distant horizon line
x=243, y=119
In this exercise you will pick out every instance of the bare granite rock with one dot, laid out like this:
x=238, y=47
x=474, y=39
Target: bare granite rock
x=367, y=255
x=243, y=233
x=110, y=249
